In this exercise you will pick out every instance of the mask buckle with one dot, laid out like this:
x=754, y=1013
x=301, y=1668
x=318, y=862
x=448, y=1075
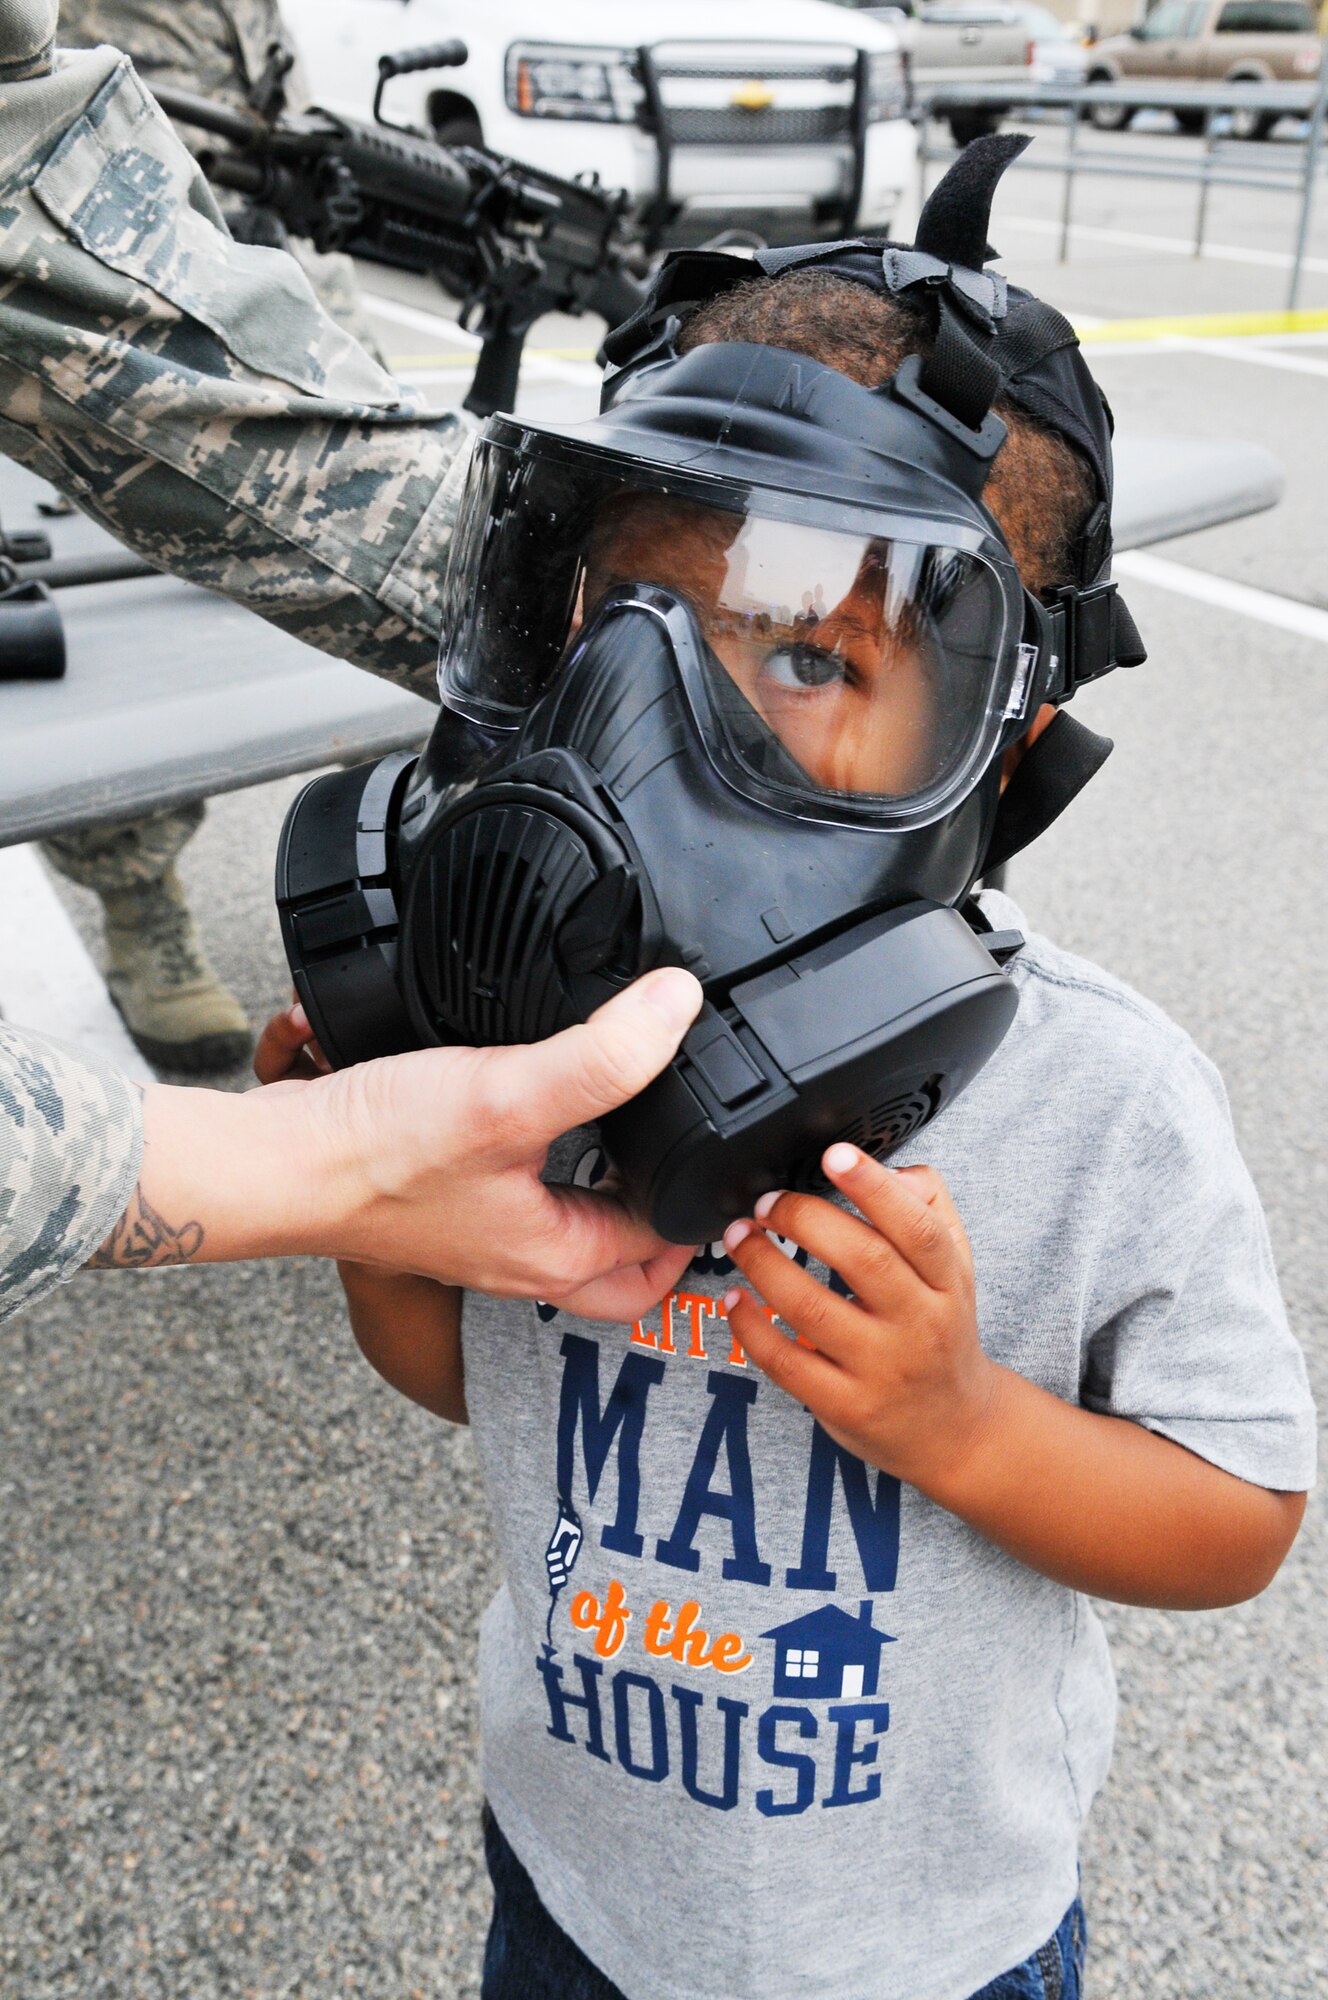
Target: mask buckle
x=1091, y=633
x=1026, y=662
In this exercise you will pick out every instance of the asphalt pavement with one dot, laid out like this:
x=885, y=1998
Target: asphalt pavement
x=240, y=1580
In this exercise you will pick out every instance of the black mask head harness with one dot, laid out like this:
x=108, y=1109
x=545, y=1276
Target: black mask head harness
x=727, y=676
x=987, y=341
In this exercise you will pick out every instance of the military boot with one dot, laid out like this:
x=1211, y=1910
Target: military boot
x=170, y=998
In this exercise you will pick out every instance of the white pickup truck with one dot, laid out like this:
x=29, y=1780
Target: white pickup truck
x=784, y=119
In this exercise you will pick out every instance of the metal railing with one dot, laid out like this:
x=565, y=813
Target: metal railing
x=1224, y=161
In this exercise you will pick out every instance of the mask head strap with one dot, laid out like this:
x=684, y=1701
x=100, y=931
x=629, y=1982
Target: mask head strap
x=1049, y=776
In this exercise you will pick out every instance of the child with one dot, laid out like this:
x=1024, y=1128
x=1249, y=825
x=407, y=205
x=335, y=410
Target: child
x=793, y=1688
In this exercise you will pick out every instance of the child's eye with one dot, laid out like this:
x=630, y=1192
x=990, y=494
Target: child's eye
x=802, y=667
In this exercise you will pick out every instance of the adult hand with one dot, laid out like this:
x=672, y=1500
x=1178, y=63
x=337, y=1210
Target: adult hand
x=427, y=1162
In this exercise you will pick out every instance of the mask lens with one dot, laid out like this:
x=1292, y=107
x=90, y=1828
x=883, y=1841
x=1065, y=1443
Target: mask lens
x=838, y=664
x=862, y=666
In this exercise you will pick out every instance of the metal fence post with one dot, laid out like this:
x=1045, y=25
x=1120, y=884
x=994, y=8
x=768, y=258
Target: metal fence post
x=1313, y=149
x=1071, y=144
x=922, y=154
x=1201, y=219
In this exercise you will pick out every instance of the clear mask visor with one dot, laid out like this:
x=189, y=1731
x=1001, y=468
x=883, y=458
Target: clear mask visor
x=839, y=665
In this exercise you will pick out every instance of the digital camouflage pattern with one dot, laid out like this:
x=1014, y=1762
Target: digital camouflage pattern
x=71, y=1139
x=215, y=47
x=127, y=854
x=189, y=393
x=219, y=49
x=27, y=34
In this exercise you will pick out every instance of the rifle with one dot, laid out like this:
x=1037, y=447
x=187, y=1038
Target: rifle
x=32, y=637
x=510, y=241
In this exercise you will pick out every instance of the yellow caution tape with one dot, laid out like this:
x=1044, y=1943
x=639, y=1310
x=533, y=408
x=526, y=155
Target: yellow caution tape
x=467, y=357
x=1195, y=326
x=1206, y=326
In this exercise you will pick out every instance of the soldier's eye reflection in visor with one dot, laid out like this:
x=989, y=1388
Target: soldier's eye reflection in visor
x=820, y=631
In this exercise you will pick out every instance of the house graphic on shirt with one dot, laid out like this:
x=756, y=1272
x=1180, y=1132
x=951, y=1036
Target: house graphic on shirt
x=825, y=1654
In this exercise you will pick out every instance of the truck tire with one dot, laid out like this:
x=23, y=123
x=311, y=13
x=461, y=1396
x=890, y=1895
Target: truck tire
x=455, y=120
x=968, y=125
x=1107, y=117
x=1251, y=124
x=1190, y=122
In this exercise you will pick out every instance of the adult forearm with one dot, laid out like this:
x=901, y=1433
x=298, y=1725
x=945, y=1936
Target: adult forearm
x=1107, y=1507
x=225, y=1177
x=428, y=1162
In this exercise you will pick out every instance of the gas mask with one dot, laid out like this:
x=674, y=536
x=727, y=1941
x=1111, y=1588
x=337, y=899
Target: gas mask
x=727, y=678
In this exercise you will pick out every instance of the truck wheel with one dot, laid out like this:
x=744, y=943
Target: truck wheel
x=1107, y=117
x=1252, y=124
x=459, y=132
x=455, y=120
x=968, y=125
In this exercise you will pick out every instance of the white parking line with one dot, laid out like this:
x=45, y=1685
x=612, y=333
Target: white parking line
x=1256, y=353
x=1260, y=356
x=47, y=980
x=1305, y=620
x=1133, y=239
x=422, y=322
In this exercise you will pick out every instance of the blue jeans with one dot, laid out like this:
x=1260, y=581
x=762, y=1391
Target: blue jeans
x=528, y=1957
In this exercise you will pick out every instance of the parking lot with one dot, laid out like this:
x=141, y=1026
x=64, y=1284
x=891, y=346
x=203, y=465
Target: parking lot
x=241, y=1581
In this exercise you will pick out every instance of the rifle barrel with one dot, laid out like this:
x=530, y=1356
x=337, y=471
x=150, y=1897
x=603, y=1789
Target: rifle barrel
x=242, y=128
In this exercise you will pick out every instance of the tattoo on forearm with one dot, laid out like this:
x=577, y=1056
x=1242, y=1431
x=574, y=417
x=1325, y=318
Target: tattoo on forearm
x=142, y=1239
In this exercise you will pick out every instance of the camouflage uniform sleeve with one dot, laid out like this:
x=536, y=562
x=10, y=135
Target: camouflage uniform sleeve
x=71, y=1139
x=216, y=47
x=27, y=35
x=189, y=391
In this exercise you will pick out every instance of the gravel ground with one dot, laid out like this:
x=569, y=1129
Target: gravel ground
x=240, y=1581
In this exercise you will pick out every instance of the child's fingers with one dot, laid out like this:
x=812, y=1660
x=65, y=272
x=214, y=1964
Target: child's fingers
x=303, y=1027
x=276, y=1048
x=833, y=1326
x=806, y=1376
x=281, y=1048
x=898, y=1210
x=928, y=1183
x=868, y=1262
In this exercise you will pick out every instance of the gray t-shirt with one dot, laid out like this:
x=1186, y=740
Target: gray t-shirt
x=842, y=1745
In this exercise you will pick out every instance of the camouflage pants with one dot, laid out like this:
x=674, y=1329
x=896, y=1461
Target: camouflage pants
x=126, y=854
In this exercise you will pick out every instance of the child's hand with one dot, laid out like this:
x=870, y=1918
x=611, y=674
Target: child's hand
x=898, y=1375
x=287, y=1049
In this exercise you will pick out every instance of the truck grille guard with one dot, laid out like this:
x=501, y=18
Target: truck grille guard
x=721, y=126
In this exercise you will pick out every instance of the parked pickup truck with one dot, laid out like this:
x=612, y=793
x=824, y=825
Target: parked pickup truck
x=959, y=41
x=1211, y=41
x=785, y=120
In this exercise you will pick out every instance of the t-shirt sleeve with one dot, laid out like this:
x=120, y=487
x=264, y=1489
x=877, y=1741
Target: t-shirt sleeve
x=71, y=1139
x=1191, y=1336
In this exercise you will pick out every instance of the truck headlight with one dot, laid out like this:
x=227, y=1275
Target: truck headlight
x=552, y=80
x=887, y=87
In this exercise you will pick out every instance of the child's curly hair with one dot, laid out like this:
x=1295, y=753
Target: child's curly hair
x=1040, y=490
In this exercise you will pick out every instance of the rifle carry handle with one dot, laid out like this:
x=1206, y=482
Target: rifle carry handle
x=436, y=55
